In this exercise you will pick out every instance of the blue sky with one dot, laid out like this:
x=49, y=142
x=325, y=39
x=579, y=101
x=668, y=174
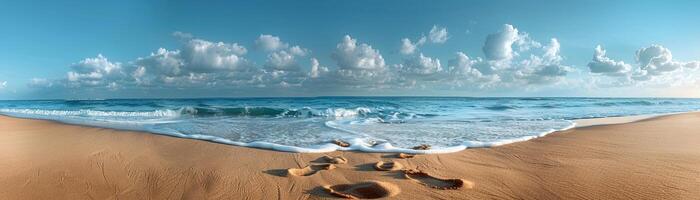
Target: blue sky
x=88, y=49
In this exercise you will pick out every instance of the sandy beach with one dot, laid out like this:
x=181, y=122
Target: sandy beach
x=656, y=158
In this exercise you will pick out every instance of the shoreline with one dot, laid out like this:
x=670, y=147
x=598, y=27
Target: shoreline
x=601, y=121
x=358, y=146
x=656, y=158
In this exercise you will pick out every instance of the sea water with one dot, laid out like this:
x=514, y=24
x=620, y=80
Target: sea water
x=371, y=124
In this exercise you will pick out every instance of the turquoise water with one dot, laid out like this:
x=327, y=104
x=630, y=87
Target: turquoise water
x=373, y=124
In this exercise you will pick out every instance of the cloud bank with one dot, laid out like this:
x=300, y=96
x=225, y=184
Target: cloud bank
x=510, y=60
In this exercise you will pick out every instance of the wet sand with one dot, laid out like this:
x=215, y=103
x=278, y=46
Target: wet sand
x=655, y=158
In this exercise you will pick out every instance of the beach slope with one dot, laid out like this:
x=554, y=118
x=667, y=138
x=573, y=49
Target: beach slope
x=651, y=159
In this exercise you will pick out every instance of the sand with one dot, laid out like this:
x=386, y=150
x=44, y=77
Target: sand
x=655, y=158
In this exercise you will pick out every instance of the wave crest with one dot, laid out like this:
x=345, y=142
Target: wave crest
x=201, y=112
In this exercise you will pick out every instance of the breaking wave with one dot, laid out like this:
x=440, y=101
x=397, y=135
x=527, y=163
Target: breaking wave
x=370, y=124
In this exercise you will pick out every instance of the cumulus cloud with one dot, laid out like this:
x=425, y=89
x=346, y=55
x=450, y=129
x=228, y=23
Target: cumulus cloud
x=463, y=65
x=542, y=72
x=316, y=69
x=298, y=51
x=505, y=66
x=505, y=62
x=545, y=68
x=282, y=57
x=551, y=51
x=601, y=64
x=656, y=60
x=438, y=34
x=464, y=72
x=352, y=56
x=206, y=56
x=281, y=60
x=654, y=65
x=358, y=65
x=499, y=46
x=270, y=43
x=408, y=47
x=168, y=63
x=198, y=61
x=421, y=65
x=98, y=71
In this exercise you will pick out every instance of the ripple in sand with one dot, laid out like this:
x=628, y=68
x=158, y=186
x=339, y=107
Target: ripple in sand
x=364, y=190
x=309, y=170
x=387, y=166
x=434, y=182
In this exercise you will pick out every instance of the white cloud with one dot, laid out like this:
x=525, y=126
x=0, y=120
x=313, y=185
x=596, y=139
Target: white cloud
x=543, y=66
x=656, y=60
x=98, y=71
x=408, y=47
x=499, y=46
x=281, y=57
x=349, y=55
x=358, y=66
x=503, y=49
x=270, y=43
x=3, y=84
x=655, y=66
x=162, y=61
x=205, y=56
x=463, y=65
x=525, y=43
x=196, y=62
x=601, y=64
x=282, y=60
x=298, y=51
x=545, y=69
x=692, y=65
x=543, y=73
x=316, y=69
x=551, y=51
x=421, y=65
x=438, y=34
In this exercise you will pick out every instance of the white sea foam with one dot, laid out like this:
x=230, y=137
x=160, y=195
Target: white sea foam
x=342, y=112
x=94, y=113
x=368, y=125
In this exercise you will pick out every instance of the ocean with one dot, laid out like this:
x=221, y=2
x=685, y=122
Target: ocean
x=370, y=124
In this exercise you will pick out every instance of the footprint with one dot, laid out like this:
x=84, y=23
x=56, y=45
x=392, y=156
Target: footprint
x=309, y=170
x=335, y=160
x=434, y=182
x=364, y=190
x=405, y=155
x=388, y=166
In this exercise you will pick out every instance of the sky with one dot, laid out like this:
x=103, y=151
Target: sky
x=187, y=49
